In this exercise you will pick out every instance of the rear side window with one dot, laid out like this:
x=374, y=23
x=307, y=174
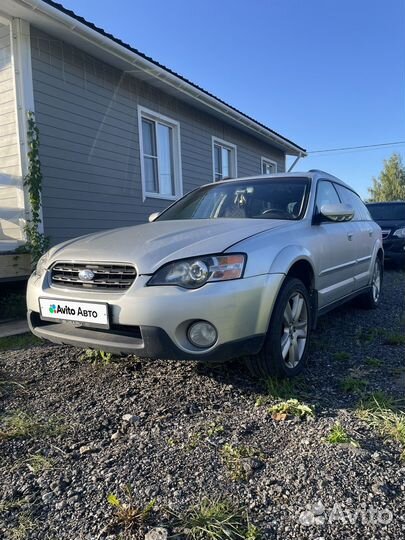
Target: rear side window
x=348, y=197
x=326, y=194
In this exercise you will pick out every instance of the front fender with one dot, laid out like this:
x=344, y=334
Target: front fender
x=289, y=255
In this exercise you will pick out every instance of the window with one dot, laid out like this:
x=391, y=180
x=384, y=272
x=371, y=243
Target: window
x=268, y=166
x=349, y=197
x=223, y=159
x=326, y=194
x=159, y=138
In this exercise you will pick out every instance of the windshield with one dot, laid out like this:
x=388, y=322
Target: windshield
x=274, y=198
x=387, y=211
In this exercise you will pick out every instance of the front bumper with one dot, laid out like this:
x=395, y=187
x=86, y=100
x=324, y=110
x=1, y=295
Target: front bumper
x=153, y=321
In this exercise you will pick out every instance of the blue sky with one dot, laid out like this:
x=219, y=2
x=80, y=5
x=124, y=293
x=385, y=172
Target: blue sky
x=325, y=74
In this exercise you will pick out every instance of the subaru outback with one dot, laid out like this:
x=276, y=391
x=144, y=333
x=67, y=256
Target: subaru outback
x=236, y=268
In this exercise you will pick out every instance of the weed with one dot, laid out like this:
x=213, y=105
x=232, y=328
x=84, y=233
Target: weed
x=341, y=356
x=234, y=457
x=21, y=341
x=22, y=531
x=6, y=506
x=126, y=514
x=368, y=335
x=194, y=440
x=38, y=463
x=380, y=412
x=216, y=520
x=215, y=429
x=373, y=362
x=97, y=357
x=352, y=385
x=338, y=435
x=21, y=425
x=291, y=407
x=276, y=388
x=394, y=339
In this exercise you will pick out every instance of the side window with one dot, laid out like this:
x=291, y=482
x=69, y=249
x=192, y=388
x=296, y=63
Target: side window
x=348, y=197
x=326, y=194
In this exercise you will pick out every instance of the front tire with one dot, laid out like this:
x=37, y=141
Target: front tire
x=285, y=349
x=371, y=299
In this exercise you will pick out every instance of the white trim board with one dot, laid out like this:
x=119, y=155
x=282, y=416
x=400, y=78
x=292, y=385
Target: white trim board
x=226, y=144
x=267, y=160
x=21, y=54
x=154, y=116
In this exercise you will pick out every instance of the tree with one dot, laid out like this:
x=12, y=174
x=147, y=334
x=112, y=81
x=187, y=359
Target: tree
x=390, y=185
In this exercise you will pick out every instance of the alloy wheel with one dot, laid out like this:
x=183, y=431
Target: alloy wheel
x=294, y=331
x=376, y=284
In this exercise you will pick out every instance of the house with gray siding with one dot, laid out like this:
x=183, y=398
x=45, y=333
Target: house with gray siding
x=121, y=136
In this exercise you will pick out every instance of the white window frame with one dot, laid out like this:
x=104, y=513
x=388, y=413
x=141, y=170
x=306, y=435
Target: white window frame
x=267, y=160
x=234, y=156
x=153, y=116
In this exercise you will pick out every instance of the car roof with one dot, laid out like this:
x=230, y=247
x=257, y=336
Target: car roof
x=313, y=174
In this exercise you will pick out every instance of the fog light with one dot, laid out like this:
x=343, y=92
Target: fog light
x=202, y=334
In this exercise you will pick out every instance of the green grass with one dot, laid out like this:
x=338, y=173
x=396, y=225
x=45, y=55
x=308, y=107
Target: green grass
x=39, y=463
x=20, y=424
x=276, y=388
x=352, y=385
x=216, y=519
x=291, y=407
x=21, y=341
x=23, y=530
x=338, y=435
x=233, y=457
x=341, y=356
x=381, y=413
x=373, y=362
x=394, y=339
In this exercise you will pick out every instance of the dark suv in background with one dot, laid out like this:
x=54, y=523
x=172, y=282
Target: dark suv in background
x=390, y=216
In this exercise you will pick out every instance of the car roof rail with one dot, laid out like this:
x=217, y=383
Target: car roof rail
x=320, y=171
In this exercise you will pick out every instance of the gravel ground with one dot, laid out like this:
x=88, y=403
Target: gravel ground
x=293, y=484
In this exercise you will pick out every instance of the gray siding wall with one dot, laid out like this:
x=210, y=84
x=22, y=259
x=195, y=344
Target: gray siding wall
x=88, y=119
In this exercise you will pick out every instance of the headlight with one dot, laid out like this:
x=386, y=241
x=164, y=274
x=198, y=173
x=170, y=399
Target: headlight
x=399, y=233
x=42, y=264
x=193, y=273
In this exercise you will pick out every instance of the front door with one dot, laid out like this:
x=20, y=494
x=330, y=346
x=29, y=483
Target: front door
x=336, y=252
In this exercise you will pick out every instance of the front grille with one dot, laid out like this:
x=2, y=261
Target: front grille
x=106, y=276
x=385, y=234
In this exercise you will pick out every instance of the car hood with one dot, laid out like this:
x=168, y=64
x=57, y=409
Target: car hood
x=151, y=245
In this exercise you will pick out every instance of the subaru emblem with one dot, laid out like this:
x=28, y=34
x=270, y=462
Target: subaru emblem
x=86, y=275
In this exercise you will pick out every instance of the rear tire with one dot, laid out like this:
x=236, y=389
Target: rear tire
x=285, y=350
x=371, y=299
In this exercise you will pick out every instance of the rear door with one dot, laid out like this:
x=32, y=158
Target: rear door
x=335, y=252
x=365, y=236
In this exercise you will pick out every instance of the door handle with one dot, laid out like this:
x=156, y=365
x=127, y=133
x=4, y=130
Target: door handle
x=370, y=232
x=350, y=236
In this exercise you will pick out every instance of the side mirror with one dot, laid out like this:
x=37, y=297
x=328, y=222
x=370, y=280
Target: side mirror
x=153, y=216
x=337, y=212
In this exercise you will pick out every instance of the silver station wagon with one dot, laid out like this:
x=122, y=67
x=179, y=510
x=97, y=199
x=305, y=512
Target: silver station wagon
x=237, y=268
